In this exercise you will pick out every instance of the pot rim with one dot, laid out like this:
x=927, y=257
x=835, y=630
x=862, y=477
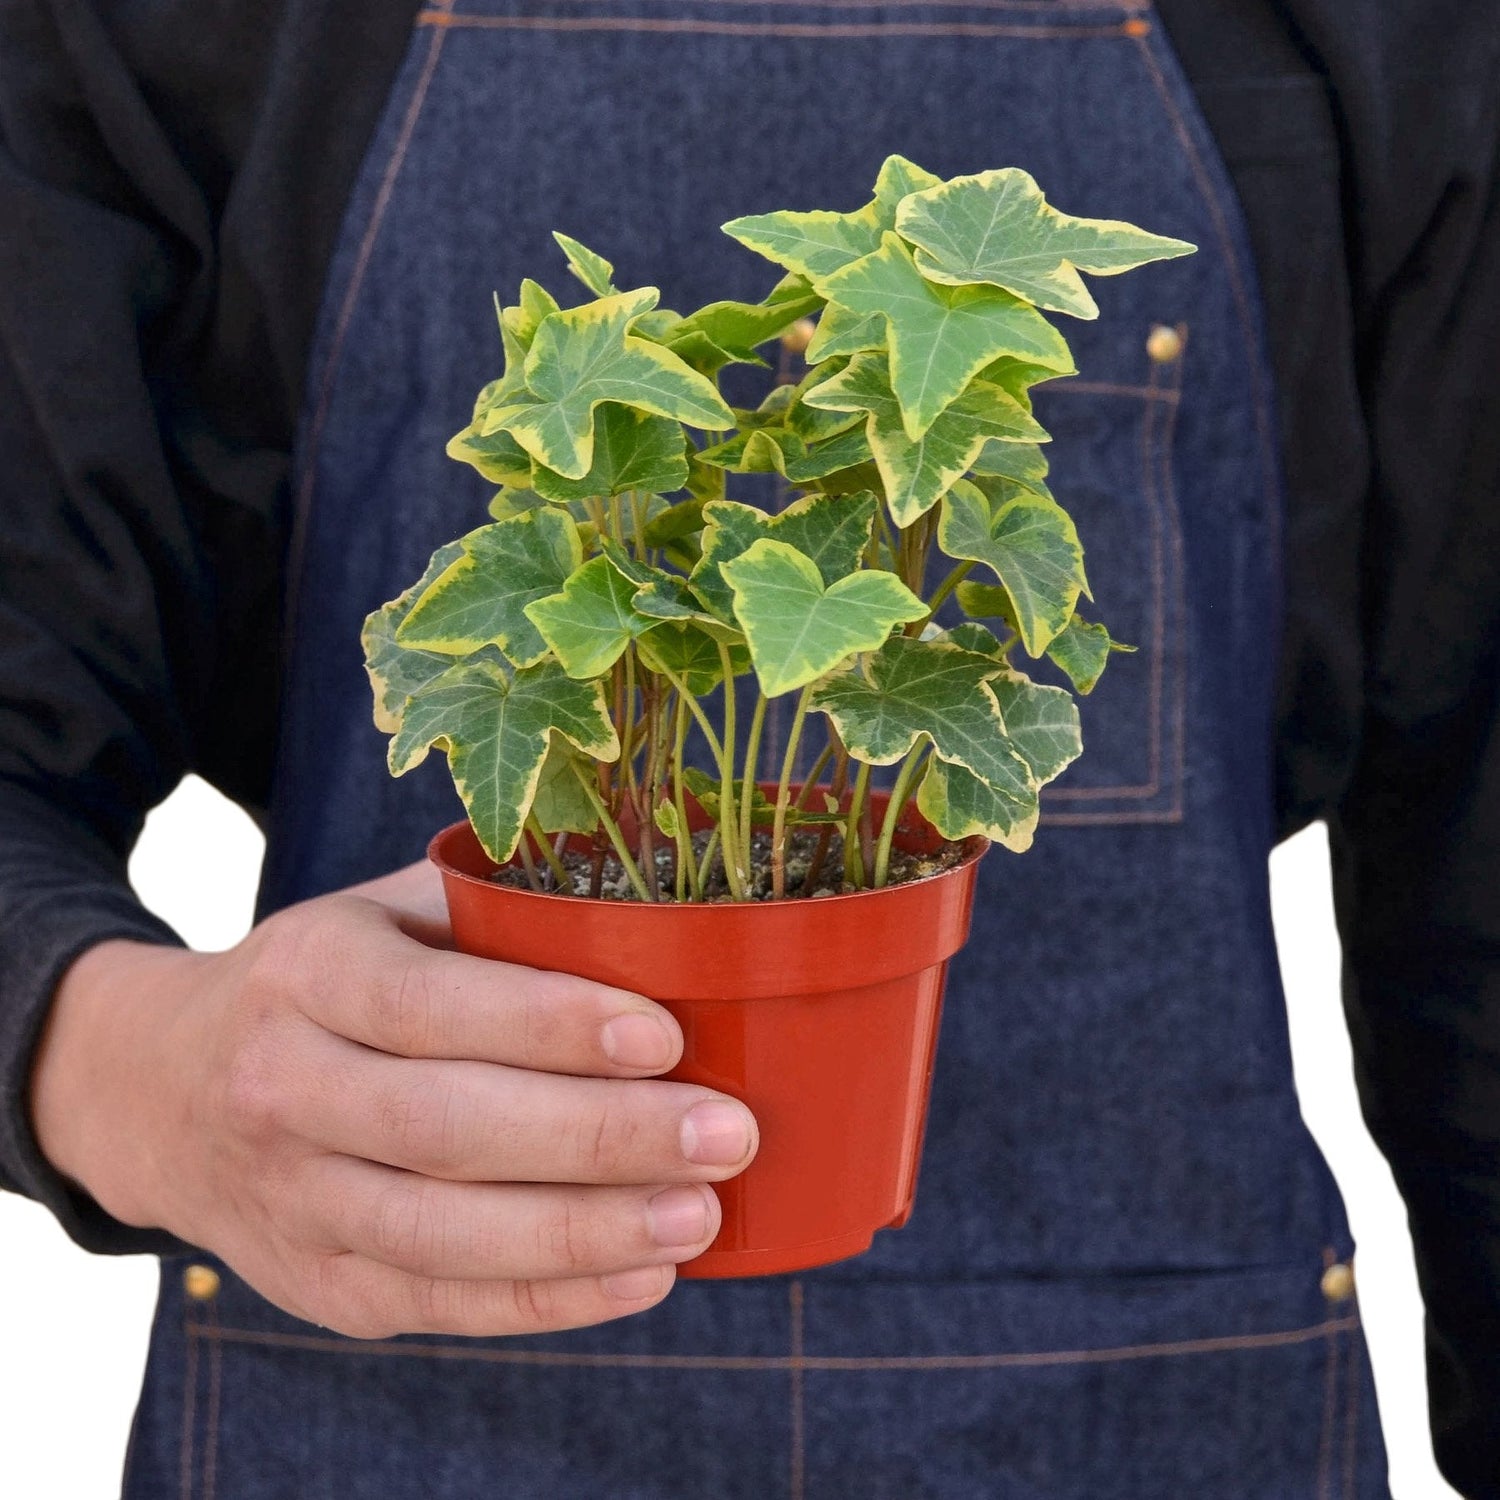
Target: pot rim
x=974, y=847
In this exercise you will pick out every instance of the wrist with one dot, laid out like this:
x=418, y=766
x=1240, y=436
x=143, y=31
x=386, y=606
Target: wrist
x=98, y=1075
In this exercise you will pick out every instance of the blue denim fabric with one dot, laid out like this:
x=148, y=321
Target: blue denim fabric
x=1109, y=1289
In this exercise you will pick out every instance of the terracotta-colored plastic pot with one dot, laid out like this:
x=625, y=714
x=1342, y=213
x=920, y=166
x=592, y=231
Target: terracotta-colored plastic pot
x=821, y=1015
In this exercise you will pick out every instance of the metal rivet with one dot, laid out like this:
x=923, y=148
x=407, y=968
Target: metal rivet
x=1338, y=1282
x=798, y=336
x=201, y=1283
x=1164, y=344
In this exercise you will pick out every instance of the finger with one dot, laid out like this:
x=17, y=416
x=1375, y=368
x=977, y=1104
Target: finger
x=365, y=1299
x=477, y=1122
x=414, y=897
x=487, y=1231
x=375, y=985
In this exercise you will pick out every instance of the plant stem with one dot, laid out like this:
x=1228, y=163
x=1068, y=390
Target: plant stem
x=783, y=792
x=853, y=864
x=715, y=747
x=529, y=864
x=752, y=754
x=811, y=779
x=708, y=860
x=899, y=794
x=554, y=860
x=945, y=588
x=734, y=871
x=836, y=791
x=616, y=838
x=687, y=867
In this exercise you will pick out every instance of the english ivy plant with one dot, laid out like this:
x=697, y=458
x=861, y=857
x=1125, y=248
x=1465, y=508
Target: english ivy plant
x=572, y=655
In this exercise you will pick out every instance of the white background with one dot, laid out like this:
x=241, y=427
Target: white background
x=73, y=1327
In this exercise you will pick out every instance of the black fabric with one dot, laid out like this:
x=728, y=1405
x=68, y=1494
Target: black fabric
x=171, y=182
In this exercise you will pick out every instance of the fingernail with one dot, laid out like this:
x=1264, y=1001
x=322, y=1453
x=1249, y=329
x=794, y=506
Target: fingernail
x=637, y=1041
x=716, y=1134
x=678, y=1216
x=631, y=1286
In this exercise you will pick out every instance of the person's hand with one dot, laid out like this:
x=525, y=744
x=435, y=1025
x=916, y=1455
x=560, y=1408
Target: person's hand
x=383, y=1136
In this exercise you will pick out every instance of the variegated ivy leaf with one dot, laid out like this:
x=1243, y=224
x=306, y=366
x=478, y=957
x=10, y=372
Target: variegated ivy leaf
x=589, y=622
x=481, y=598
x=997, y=228
x=730, y=332
x=632, y=451
x=559, y=804
x=596, y=273
x=842, y=332
x=810, y=423
x=957, y=803
x=498, y=457
x=1032, y=546
x=395, y=671
x=496, y=726
x=797, y=629
x=690, y=652
x=914, y=688
x=707, y=792
x=667, y=597
x=675, y=522
x=817, y=244
x=512, y=501
x=586, y=356
x=1041, y=721
x=940, y=336
x=518, y=326
x=832, y=530
x=918, y=473
x=1082, y=651
x=1024, y=464
x=980, y=639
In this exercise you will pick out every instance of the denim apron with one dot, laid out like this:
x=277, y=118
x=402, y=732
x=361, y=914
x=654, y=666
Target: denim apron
x=1125, y=1276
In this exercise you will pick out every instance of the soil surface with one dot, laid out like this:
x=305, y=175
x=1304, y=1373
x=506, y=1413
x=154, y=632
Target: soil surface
x=802, y=847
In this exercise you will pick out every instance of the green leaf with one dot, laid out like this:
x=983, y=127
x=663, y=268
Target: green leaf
x=1082, y=651
x=957, y=803
x=833, y=530
x=737, y=329
x=918, y=473
x=596, y=273
x=915, y=688
x=841, y=332
x=480, y=599
x=846, y=452
x=586, y=356
x=1032, y=546
x=690, y=652
x=1041, y=723
x=518, y=326
x=815, y=244
x=1024, y=464
x=897, y=180
x=396, y=671
x=998, y=229
x=505, y=504
x=496, y=728
x=632, y=451
x=559, y=803
x=980, y=639
x=665, y=818
x=590, y=621
x=940, y=336
x=498, y=457
x=675, y=522
x=706, y=792
x=797, y=629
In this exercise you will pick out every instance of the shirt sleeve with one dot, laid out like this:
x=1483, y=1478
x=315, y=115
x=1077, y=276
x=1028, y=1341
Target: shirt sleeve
x=1416, y=833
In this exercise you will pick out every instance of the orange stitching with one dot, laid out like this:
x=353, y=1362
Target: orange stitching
x=1152, y=392
x=1330, y=1401
x=446, y=20
x=211, y=1416
x=799, y=1456
x=1077, y=820
x=329, y=373
x=1351, y=1412
x=189, y=1404
x=1168, y=492
x=1237, y=288
x=390, y=1348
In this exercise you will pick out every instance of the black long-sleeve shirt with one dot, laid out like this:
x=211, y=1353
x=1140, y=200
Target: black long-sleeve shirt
x=171, y=181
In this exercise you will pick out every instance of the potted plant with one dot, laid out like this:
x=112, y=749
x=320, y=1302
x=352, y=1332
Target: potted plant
x=579, y=660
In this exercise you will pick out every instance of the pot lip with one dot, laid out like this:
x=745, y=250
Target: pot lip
x=974, y=847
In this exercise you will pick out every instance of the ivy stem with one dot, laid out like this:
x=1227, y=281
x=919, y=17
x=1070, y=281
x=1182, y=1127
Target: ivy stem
x=893, y=809
x=529, y=864
x=836, y=791
x=734, y=871
x=687, y=867
x=708, y=859
x=946, y=587
x=854, y=872
x=554, y=861
x=811, y=779
x=783, y=791
x=616, y=838
x=715, y=746
x=752, y=755
x=645, y=799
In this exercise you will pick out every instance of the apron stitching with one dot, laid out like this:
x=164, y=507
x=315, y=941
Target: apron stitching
x=799, y=1456
x=329, y=372
x=1168, y=493
x=1351, y=1409
x=1152, y=392
x=444, y=20
x=749, y=1362
x=1237, y=285
x=189, y=1402
x=211, y=1415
